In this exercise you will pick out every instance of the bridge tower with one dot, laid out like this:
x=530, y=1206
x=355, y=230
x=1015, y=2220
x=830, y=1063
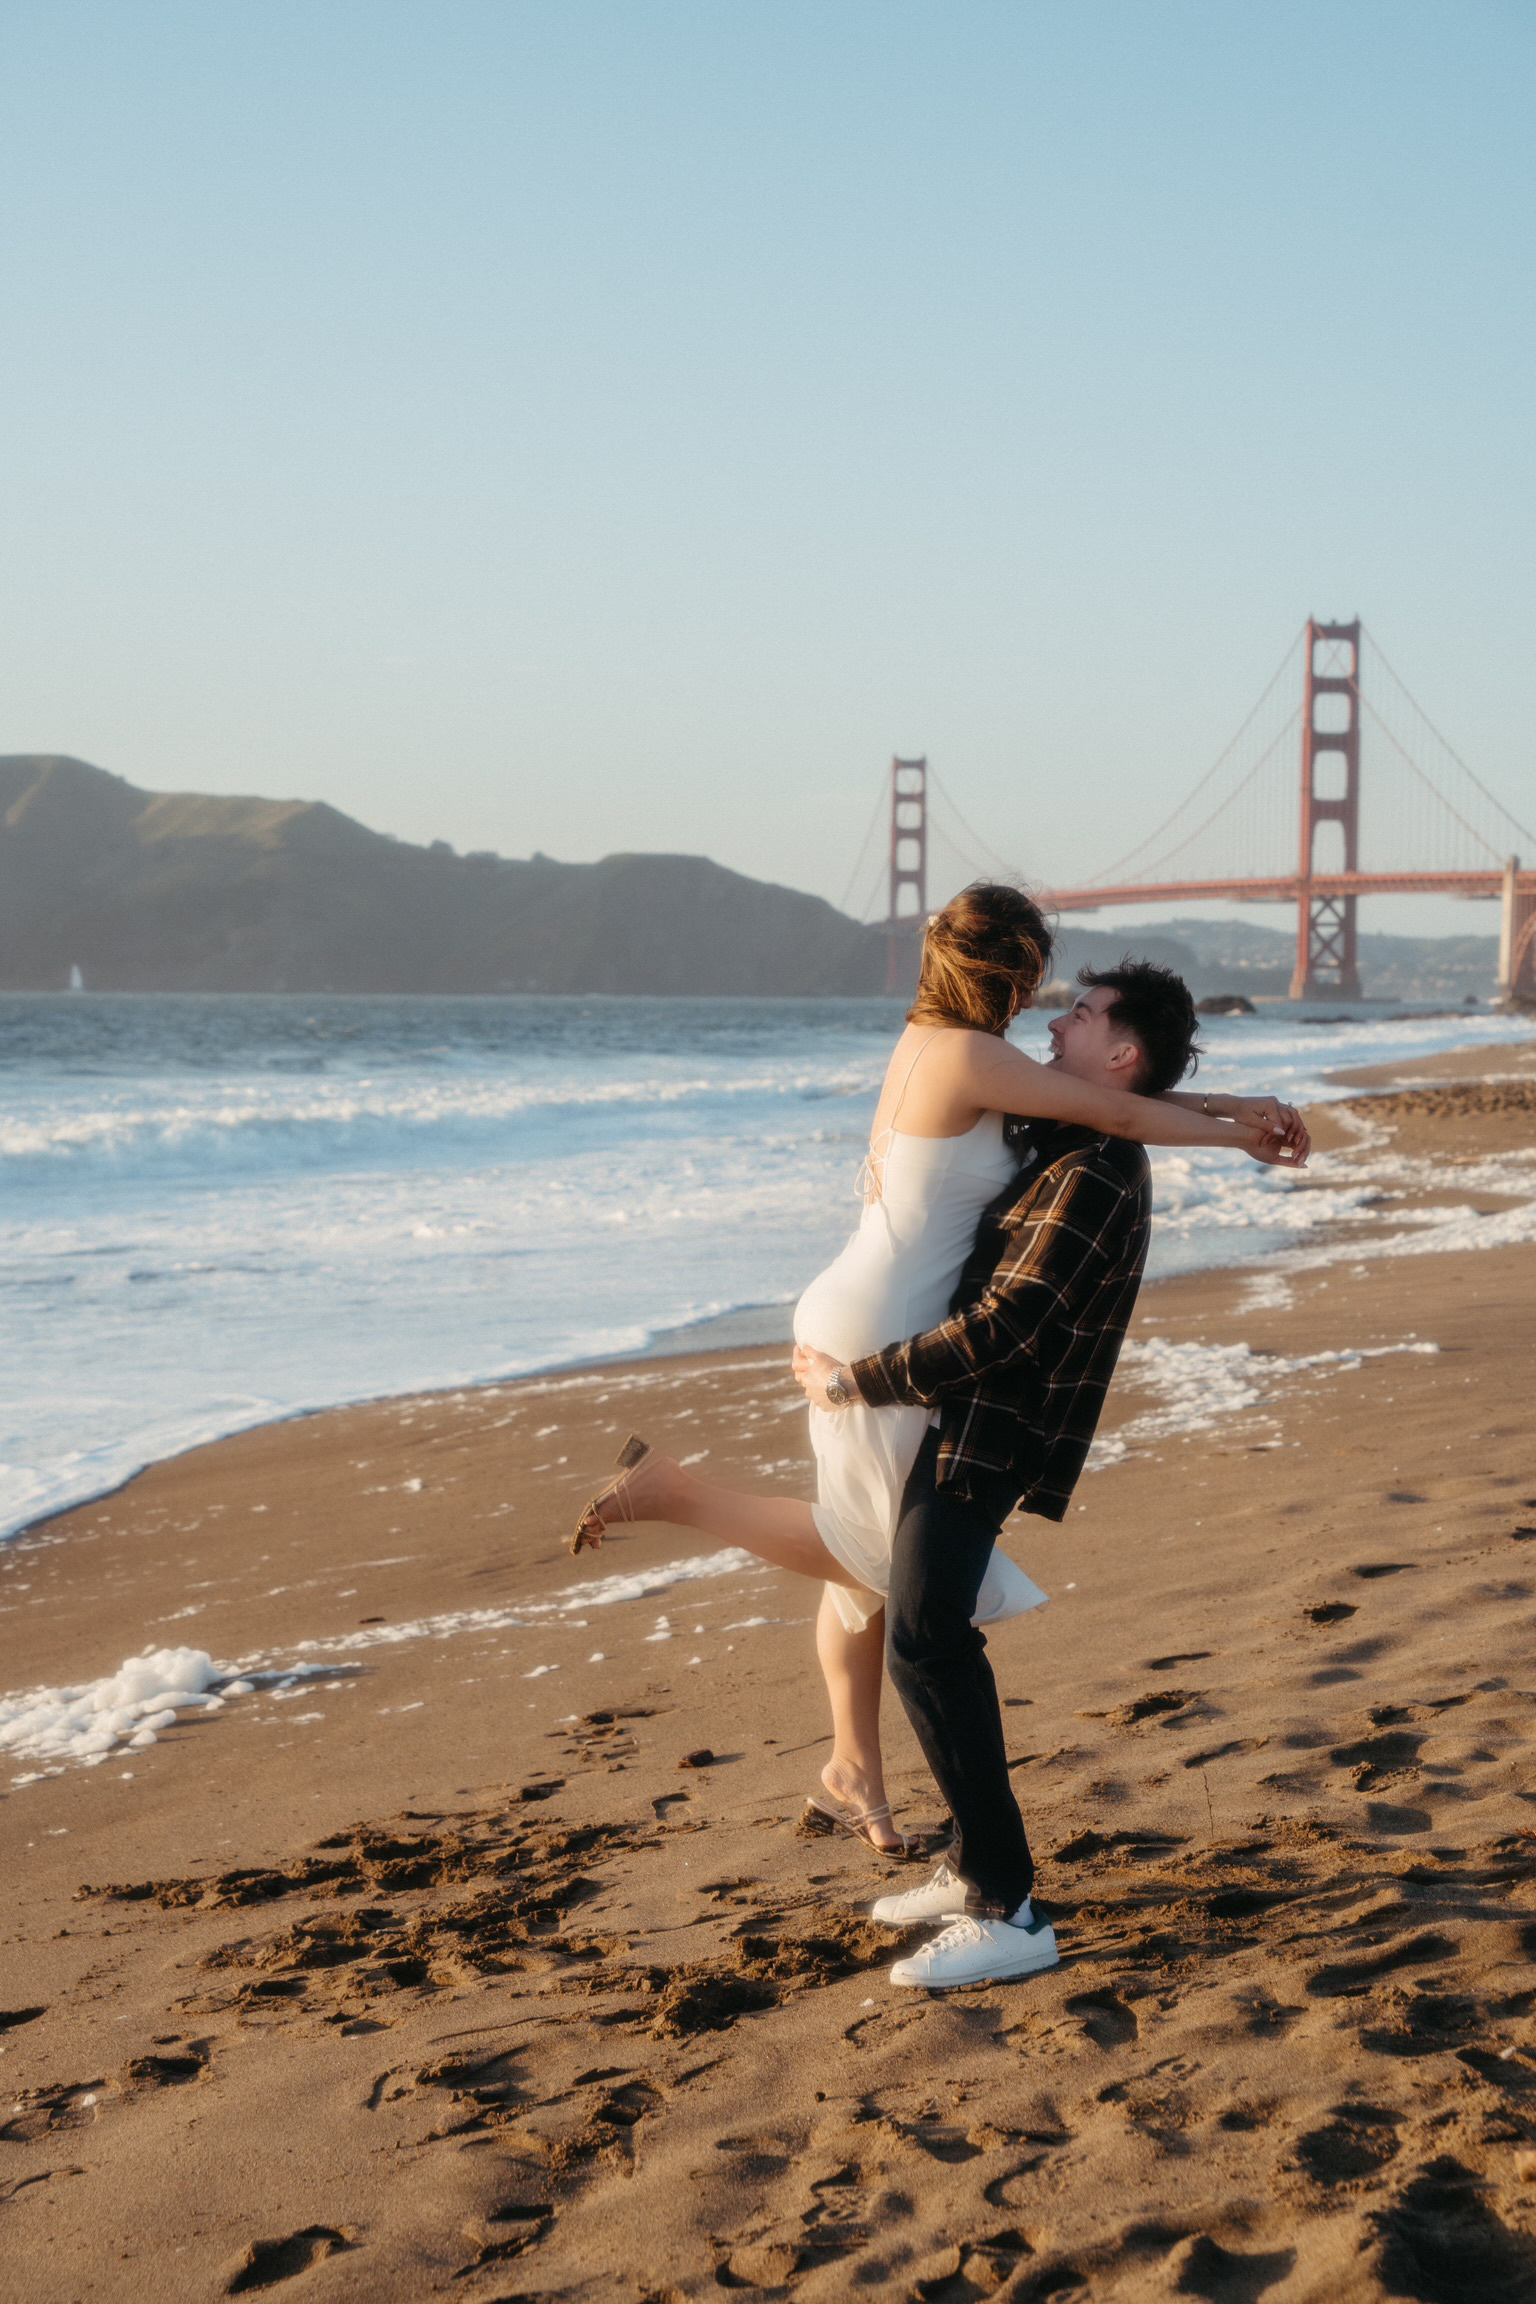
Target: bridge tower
x=909, y=871
x=1327, y=952
x=1517, y=939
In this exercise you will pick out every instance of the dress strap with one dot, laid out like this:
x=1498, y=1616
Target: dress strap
x=871, y=1177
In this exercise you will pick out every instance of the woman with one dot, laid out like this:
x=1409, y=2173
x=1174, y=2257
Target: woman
x=950, y=1083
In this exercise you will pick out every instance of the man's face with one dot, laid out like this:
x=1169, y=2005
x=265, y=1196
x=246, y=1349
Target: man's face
x=1087, y=1044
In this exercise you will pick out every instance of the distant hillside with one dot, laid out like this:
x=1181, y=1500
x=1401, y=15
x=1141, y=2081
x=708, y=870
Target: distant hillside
x=1250, y=956
x=182, y=892
x=178, y=892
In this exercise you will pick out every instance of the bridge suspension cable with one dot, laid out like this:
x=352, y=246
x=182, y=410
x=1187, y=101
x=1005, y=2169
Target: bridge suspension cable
x=981, y=851
x=1507, y=815
x=1285, y=735
x=1286, y=665
x=1429, y=783
x=859, y=877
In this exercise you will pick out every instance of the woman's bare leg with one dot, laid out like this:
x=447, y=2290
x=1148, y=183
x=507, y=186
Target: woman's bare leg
x=779, y=1529
x=782, y=1530
x=853, y=1666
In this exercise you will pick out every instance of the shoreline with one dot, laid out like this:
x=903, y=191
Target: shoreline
x=764, y=1325
x=473, y=1930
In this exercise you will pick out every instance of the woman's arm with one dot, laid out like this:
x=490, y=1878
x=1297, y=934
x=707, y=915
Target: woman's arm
x=1004, y=1079
x=1253, y=1111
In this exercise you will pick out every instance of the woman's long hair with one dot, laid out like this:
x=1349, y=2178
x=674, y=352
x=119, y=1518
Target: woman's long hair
x=984, y=958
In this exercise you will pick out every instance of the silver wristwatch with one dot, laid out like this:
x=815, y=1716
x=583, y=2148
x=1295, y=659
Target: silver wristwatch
x=838, y=1393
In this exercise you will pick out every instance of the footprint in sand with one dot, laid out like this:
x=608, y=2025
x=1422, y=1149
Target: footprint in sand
x=514, y=2228
x=752, y=2162
x=1160, y=1704
x=1264, y=2016
x=1424, y=2023
x=1356, y=2140
x=1202, y=2267
x=937, y=2140
x=1508, y=2074
x=1226, y=1751
x=760, y=2264
x=1340, y=1979
x=1089, y=1842
x=1372, y=1570
x=1377, y=1759
x=39, y=2112
x=1441, y=2242
x=187, y=2062
x=1392, y=1818
x=11, y=2017
x=1245, y=1903
x=709, y=2003
x=607, y=2127
x=485, y=2088
x=1330, y=1612
x=266, y=2262
x=1015, y=2190
x=1106, y=2019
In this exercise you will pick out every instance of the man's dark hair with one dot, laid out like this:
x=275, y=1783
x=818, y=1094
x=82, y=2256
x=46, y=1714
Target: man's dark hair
x=1157, y=1008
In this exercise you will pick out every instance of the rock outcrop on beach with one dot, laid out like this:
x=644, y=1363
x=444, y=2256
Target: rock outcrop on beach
x=184, y=892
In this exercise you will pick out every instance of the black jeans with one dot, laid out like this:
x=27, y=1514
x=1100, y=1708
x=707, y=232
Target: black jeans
x=938, y=1666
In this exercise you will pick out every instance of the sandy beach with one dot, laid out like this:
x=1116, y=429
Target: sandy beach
x=374, y=1980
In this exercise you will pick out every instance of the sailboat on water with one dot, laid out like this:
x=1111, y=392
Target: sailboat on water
x=76, y=978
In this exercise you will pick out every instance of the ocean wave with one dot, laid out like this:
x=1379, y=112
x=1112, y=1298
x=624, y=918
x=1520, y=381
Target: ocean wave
x=272, y=1126
x=190, y=1254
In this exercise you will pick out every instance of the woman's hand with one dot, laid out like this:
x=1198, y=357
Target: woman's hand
x=813, y=1371
x=1267, y=1112
x=1269, y=1150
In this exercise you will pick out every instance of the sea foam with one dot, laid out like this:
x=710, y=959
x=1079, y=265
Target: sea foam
x=218, y=1213
x=128, y=1708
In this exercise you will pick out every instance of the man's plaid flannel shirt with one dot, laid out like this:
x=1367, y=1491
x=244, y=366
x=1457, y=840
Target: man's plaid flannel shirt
x=1019, y=1370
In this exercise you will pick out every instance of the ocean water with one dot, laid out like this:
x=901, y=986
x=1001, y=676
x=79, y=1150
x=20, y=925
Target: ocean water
x=218, y=1211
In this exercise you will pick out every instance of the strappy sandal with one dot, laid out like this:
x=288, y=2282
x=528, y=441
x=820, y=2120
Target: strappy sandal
x=589, y=1528
x=824, y=1812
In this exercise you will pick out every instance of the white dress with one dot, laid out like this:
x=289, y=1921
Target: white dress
x=924, y=1196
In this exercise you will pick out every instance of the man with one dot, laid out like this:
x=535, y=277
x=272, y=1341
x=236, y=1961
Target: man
x=1016, y=1376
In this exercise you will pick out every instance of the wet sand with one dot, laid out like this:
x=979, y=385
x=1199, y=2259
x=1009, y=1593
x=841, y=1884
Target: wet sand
x=489, y=1958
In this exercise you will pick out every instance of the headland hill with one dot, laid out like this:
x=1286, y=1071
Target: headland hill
x=126, y=890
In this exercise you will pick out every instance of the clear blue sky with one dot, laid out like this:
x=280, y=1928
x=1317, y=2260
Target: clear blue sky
x=583, y=426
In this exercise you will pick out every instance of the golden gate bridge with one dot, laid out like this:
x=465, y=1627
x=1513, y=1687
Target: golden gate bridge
x=1425, y=820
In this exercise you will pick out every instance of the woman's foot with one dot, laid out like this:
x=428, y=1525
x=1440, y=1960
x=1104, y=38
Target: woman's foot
x=857, y=1802
x=641, y=1492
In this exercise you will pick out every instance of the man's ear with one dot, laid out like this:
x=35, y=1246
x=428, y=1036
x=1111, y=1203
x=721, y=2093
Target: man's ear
x=1123, y=1059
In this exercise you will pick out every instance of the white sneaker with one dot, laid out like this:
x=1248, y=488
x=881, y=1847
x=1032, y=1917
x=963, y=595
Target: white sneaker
x=938, y=1899
x=972, y=1951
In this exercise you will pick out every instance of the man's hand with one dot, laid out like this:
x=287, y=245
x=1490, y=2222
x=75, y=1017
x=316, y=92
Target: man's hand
x=813, y=1371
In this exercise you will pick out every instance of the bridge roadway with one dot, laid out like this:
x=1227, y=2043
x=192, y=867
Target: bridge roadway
x=1291, y=888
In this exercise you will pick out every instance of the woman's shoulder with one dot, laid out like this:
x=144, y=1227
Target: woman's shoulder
x=942, y=1033
x=942, y=1055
